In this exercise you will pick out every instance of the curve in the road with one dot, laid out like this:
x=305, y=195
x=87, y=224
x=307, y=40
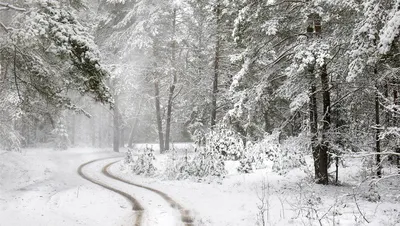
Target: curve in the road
x=186, y=218
x=136, y=206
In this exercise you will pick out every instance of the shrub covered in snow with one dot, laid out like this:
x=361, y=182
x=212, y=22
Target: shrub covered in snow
x=284, y=155
x=262, y=152
x=373, y=194
x=205, y=162
x=246, y=165
x=208, y=162
x=225, y=142
x=179, y=166
x=291, y=154
x=143, y=164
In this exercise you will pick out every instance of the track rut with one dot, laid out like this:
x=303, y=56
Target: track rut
x=186, y=218
x=137, y=208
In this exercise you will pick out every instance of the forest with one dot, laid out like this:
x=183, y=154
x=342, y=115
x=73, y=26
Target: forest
x=294, y=82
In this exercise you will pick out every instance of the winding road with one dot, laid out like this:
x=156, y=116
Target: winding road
x=151, y=207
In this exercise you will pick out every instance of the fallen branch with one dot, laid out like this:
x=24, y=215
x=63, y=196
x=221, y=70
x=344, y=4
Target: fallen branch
x=7, y=6
x=7, y=29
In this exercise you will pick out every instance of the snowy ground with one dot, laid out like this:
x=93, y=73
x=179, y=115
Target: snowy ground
x=291, y=199
x=42, y=187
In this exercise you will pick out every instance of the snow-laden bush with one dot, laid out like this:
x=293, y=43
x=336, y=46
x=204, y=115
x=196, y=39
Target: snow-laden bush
x=179, y=166
x=128, y=160
x=291, y=154
x=261, y=153
x=143, y=164
x=225, y=142
x=246, y=165
x=208, y=162
x=284, y=156
x=203, y=163
x=372, y=194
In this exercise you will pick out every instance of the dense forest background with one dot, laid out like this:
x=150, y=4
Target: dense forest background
x=321, y=73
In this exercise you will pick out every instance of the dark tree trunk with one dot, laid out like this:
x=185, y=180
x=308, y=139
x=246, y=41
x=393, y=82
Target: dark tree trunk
x=134, y=126
x=73, y=129
x=313, y=111
x=122, y=138
x=395, y=101
x=216, y=67
x=93, y=131
x=267, y=124
x=326, y=122
x=158, y=114
x=116, y=125
x=387, y=114
x=132, y=134
x=172, y=87
x=338, y=124
x=169, y=116
x=99, y=133
x=377, y=132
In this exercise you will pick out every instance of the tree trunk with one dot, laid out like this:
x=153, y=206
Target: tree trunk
x=267, y=124
x=116, y=135
x=99, y=133
x=122, y=138
x=395, y=101
x=377, y=132
x=73, y=129
x=313, y=111
x=172, y=87
x=93, y=131
x=158, y=114
x=216, y=67
x=132, y=133
x=387, y=113
x=326, y=120
x=134, y=126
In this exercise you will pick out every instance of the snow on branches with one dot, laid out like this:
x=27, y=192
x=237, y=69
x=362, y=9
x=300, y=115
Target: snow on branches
x=50, y=33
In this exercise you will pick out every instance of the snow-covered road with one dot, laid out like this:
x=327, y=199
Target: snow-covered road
x=150, y=207
x=40, y=187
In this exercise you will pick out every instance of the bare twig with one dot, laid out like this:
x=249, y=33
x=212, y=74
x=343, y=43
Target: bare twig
x=384, y=178
x=367, y=154
x=358, y=208
x=264, y=205
x=7, y=29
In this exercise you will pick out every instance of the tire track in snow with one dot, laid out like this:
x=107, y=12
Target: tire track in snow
x=136, y=206
x=186, y=218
